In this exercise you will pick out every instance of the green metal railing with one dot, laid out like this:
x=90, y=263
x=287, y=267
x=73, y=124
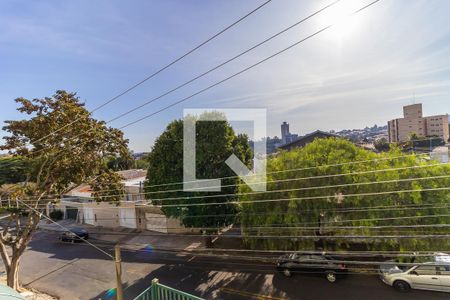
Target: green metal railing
x=158, y=291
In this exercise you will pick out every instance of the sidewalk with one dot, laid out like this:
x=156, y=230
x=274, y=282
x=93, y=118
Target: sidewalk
x=134, y=238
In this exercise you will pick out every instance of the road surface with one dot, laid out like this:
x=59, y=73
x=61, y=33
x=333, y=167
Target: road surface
x=78, y=271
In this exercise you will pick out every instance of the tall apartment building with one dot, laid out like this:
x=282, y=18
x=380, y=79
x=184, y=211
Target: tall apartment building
x=413, y=121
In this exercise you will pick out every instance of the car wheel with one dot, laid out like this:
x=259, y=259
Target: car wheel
x=331, y=276
x=287, y=273
x=401, y=286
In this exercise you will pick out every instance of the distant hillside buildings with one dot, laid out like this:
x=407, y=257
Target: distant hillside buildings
x=291, y=141
x=364, y=135
x=413, y=121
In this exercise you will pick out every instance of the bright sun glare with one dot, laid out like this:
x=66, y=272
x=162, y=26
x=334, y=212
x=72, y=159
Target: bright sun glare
x=340, y=15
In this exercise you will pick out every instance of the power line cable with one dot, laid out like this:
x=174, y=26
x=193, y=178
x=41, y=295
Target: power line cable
x=162, y=69
x=240, y=72
x=280, y=171
x=291, y=179
x=247, y=214
x=305, y=198
x=244, y=70
x=273, y=172
x=225, y=62
x=303, y=188
x=419, y=236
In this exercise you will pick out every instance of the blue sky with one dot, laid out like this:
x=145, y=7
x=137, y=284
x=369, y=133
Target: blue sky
x=358, y=74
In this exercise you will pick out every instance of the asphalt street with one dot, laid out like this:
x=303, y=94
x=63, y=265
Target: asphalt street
x=79, y=271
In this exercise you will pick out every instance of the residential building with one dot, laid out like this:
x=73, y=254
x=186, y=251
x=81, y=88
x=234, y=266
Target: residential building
x=302, y=141
x=133, y=184
x=413, y=121
x=133, y=211
x=133, y=181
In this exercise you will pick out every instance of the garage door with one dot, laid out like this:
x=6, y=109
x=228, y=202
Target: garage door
x=88, y=214
x=156, y=222
x=127, y=217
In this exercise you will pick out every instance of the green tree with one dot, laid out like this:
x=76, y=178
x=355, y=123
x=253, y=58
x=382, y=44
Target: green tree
x=382, y=145
x=72, y=155
x=333, y=207
x=13, y=169
x=108, y=187
x=119, y=163
x=215, y=142
x=141, y=163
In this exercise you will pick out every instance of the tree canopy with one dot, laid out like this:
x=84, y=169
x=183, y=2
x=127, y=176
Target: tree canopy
x=13, y=169
x=216, y=141
x=317, y=197
x=64, y=146
x=69, y=156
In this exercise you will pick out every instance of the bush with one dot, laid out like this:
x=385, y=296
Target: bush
x=56, y=215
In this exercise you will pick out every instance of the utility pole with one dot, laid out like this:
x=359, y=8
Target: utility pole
x=118, y=261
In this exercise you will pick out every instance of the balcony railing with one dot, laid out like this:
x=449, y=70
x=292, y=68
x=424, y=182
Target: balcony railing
x=159, y=291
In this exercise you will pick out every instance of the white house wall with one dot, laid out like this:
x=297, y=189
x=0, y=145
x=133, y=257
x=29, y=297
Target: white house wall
x=127, y=217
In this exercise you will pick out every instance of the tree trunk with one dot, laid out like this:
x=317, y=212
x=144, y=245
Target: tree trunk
x=18, y=247
x=12, y=274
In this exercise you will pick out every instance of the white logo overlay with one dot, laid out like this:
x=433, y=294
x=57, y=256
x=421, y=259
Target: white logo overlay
x=255, y=178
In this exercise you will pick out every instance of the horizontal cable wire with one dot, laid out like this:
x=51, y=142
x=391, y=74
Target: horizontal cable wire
x=293, y=179
x=240, y=72
x=318, y=237
x=280, y=171
x=162, y=69
x=199, y=76
x=293, y=170
x=244, y=70
x=305, y=198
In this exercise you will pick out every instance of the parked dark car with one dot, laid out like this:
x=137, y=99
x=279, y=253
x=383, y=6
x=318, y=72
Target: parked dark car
x=295, y=263
x=74, y=235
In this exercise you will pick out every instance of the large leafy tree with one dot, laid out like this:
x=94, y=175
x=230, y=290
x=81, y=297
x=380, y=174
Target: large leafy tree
x=330, y=207
x=65, y=146
x=215, y=142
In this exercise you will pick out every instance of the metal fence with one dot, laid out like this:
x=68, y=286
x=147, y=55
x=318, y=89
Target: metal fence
x=159, y=291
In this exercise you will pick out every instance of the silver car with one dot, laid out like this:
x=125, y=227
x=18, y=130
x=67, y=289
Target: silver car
x=433, y=275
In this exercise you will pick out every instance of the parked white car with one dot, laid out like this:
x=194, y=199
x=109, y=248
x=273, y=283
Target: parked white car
x=433, y=275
